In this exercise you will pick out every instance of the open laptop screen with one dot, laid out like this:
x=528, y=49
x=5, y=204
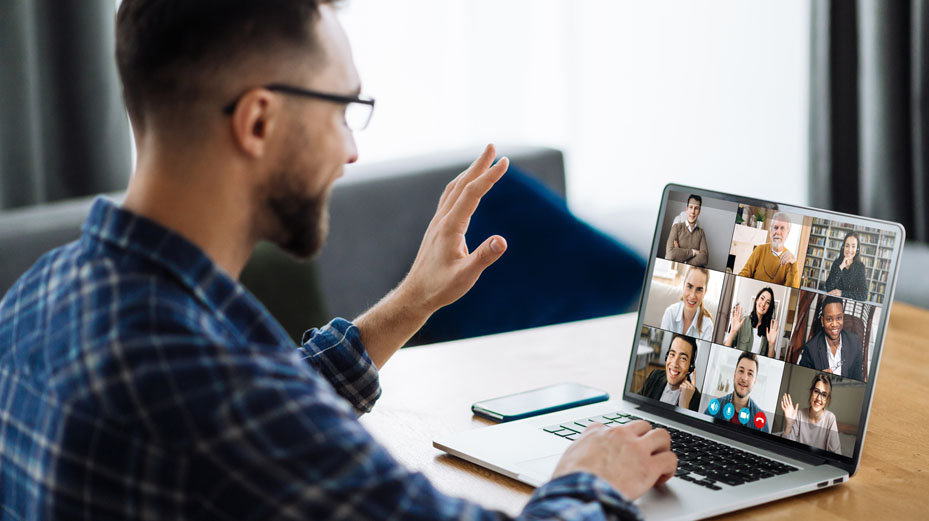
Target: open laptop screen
x=765, y=317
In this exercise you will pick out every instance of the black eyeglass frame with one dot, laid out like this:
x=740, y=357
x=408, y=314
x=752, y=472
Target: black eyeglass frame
x=229, y=109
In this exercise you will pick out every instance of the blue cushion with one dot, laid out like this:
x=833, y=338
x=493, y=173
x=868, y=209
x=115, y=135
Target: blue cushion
x=556, y=268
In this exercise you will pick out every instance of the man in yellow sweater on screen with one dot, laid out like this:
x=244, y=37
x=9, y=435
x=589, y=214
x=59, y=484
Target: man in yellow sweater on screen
x=772, y=261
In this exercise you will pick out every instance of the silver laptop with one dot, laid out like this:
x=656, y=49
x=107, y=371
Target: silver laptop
x=759, y=335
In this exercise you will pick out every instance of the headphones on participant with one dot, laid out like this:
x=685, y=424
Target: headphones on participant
x=693, y=352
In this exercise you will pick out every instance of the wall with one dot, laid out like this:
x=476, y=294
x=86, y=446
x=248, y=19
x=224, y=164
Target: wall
x=638, y=94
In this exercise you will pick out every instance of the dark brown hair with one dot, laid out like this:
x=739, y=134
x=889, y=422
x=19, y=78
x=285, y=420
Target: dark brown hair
x=751, y=356
x=762, y=322
x=166, y=50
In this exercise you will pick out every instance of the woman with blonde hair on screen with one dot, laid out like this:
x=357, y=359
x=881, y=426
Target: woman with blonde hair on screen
x=689, y=317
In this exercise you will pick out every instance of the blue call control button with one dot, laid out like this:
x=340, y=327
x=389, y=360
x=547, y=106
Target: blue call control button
x=728, y=411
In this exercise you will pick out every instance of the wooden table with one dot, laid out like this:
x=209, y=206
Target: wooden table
x=428, y=391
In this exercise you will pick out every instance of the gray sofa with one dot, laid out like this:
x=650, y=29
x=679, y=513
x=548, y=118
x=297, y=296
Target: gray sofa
x=378, y=215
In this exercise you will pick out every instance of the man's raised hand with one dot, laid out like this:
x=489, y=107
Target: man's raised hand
x=444, y=270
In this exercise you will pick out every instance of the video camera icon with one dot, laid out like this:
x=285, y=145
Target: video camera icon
x=744, y=415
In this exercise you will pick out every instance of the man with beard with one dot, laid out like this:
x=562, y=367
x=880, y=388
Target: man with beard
x=139, y=380
x=687, y=240
x=674, y=385
x=833, y=349
x=746, y=374
x=772, y=261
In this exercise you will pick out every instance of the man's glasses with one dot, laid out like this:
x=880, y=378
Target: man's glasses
x=821, y=394
x=358, y=110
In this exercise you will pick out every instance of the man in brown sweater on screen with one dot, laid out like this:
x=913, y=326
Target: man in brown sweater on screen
x=687, y=242
x=772, y=261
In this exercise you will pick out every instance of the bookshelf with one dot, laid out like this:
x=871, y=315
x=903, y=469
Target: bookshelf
x=826, y=238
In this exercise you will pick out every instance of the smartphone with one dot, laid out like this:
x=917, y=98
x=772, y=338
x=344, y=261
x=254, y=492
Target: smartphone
x=538, y=401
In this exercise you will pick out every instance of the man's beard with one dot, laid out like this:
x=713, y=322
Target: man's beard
x=303, y=220
x=741, y=397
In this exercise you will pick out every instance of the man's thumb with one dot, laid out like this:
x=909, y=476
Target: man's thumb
x=489, y=251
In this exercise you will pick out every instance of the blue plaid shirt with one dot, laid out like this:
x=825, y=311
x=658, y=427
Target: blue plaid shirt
x=138, y=381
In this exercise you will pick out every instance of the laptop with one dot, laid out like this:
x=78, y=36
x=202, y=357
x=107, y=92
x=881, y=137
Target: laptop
x=757, y=345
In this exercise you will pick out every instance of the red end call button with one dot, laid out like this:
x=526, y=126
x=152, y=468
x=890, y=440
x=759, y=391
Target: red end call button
x=760, y=420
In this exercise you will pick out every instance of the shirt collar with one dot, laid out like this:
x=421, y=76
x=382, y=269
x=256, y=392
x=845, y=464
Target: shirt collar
x=693, y=330
x=838, y=350
x=679, y=315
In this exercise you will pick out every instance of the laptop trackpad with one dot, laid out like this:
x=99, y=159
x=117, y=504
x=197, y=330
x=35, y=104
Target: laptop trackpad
x=541, y=468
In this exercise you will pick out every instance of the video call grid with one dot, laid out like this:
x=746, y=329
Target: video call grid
x=874, y=244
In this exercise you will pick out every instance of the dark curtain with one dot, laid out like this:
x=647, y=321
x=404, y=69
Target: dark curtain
x=869, y=119
x=63, y=128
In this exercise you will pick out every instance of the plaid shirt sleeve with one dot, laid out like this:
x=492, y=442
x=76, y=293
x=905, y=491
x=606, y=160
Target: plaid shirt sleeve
x=272, y=441
x=139, y=382
x=337, y=353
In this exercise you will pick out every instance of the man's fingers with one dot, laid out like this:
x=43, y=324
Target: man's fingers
x=638, y=427
x=594, y=427
x=486, y=254
x=666, y=464
x=657, y=440
x=454, y=189
x=463, y=207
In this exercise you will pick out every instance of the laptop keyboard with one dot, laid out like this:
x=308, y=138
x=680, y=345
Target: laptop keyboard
x=700, y=460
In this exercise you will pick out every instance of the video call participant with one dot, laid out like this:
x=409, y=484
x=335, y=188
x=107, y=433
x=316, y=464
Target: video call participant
x=746, y=374
x=687, y=241
x=759, y=333
x=772, y=261
x=814, y=426
x=688, y=316
x=833, y=350
x=675, y=384
x=847, y=276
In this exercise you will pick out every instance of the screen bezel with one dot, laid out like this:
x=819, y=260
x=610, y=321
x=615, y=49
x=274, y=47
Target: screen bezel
x=750, y=436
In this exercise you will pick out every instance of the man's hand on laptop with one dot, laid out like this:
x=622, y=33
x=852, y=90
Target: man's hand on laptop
x=632, y=457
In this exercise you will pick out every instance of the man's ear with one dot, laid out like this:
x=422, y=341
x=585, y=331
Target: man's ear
x=254, y=120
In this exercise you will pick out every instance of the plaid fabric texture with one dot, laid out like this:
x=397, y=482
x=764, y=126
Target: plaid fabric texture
x=138, y=381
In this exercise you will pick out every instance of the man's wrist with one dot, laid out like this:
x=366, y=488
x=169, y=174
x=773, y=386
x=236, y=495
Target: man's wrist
x=412, y=302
